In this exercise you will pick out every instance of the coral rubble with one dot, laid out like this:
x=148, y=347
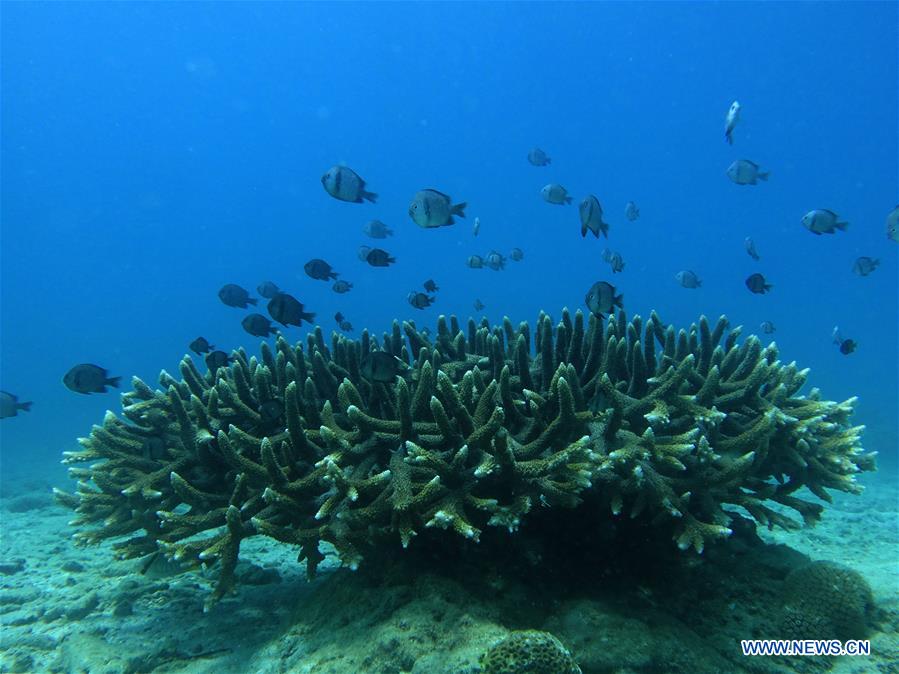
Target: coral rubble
x=478, y=430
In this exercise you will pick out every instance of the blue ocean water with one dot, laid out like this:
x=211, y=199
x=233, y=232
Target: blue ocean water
x=152, y=152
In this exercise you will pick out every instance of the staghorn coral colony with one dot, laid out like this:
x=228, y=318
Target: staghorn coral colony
x=477, y=431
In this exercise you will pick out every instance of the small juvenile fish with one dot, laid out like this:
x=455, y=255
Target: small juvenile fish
x=430, y=286
x=267, y=289
x=865, y=265
x=745, y=172
x=338, y=317
x=767, y=327
x=847, y=346
x=822, y=221
x=757, y=284
x=420, y=300
x=377, y=257
x=10, y=405
x=554, y=193
x=495, y=261
x=431, y=208
x=288, y=310
x=538, y=157
x=631, y=212
x=217, y=359
x=344, y=183
x=235, y=296
x=200, y=346
x=601, y=299
x=590, y=211
x=380, y=366
x=258, y=325
x=342, y=287
x=893, y=225
x=475, y=261
x=319, y=270
x=616, y=262
x=377, y=230
x=730, y=121
x=749, y=245
x=688, y=279
x=477, y=226
x=478, y=305
x=88, y=378
x=516, y=254
x=346, y=326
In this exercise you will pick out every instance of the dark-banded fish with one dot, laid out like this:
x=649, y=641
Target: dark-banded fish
x=338, y=317
x=757, y=284
x=602, y=299
x=233, y=295
x=258, y=325
x=267, y=289
x=749, y=245
x=865, y=265
x=745, y=172
x=474, y=261
x=344, y=183
x=847, y=346
x=495, y=261
x=730, y=121
x=553, y=193
x=200, y=346
x=88, y=378
x=377, y=230
x=538, y=157
x=341, y=287
x=688, y=279
x=217, y=359
x=346, y=326
x=288, y=310
x=10, y=405
x=430, y=286
x=319, y=270
x=380, y=366
x=767, y=327
x=822, y=221
x=431, y=208
x=616, y=262
x=420, y=300
x=590, y=211
x=516, y=255
x=631, y=212
x=377, y=257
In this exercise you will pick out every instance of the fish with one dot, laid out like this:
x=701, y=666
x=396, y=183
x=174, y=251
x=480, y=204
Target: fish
x=267, y=289
x=346, y=326
x=377, y=257
x=745, y=172
x=590, y=211
x=10, y=405
x=477, y=226
x=258, y=325
x=430, y=286
x=554, y=193
x=616, y=262
x=730, y=121
x=538, y=157
x=749, y=245
x=848, y=346
x=601, y=299
x=235, y=296
x=757, y=284
x=377, y=230
x=893, y=225
x=319, y=270
x=363, y=252
x=217, y=359
x=495, y=261
x=288, y=310
x=865, y=265
x=88, y=378
x=688, y=279
x=822, y=221
x=478, y=305
x=420, y=300
x=431, y=208
x=344, y=183
x=475, y=261
x=516, y=254
x=380, y=366
x=338, y=317
x=631, y=212
x=342, y=287
x=200, y=346
x=271, y=411
x=767, y=327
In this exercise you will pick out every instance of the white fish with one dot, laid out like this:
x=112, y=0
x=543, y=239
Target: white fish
x=555, y=194
x=749, y=245
x=343, y=183
x=822, y=221
x=477, y=226
x=893, y=225
x=688, y=279
x=432, y=208
x=745, y=172
x=733, y=116
x=631, y=212
x=590, y=211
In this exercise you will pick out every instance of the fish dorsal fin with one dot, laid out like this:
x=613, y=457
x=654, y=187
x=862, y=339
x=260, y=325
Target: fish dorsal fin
x=438, y=192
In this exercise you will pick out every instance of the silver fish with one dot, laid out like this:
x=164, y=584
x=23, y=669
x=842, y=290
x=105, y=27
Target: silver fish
x=342, y=287
x=749, y=245
x=631, y=212
x=616, y=262
x=688, y=279
x=430, y=208
x=822, y=221
x=554, y=193
x=730, y=121
x=767, y=327
x=475, y=261
x=590, y=211
x=745, y=172
x=516, y=255
x=377, y=230
x=477, y=226
x=865, y=265
x=495, y=261
x=538, y=157
x=344, y=183
x=893, y=225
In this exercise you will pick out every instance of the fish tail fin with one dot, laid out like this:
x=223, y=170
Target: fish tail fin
x=842, y=226
x=698, y=283
x=604, y=228
x=618, y=301
x=253, y=301
x=583, y=231
x=333, y=275
x=459, y=209
x=25, y=407
x=309, y=317
x=390, y=259
x=728, y=137
x=763, y=175
x=567, y=200
x=371, y=196
x=113, y=381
